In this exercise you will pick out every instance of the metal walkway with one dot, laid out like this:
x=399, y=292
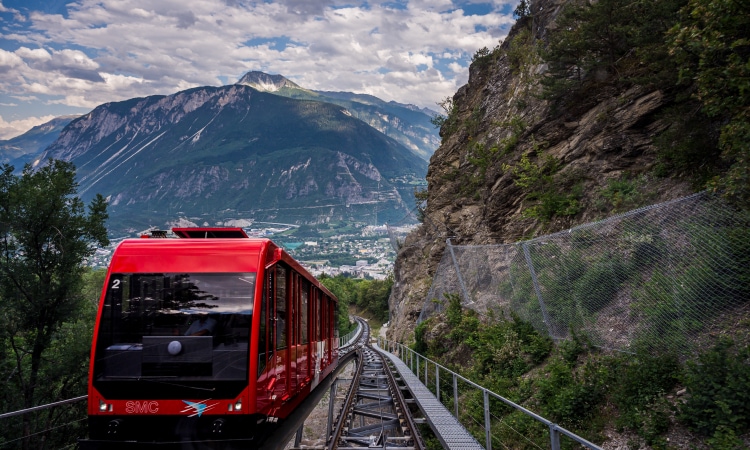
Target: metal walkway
x=448, y=430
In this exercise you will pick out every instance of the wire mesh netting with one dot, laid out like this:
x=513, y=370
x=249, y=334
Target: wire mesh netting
x=663, y=276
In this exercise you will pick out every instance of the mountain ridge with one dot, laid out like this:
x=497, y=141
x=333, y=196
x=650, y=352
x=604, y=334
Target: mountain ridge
x=211, y=149
x=28, y=146
x=408, y=124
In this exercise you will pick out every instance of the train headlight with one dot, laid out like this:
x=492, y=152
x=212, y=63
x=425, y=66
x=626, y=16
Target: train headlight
x=174, y=348
x=104, y=407
x=238, y=405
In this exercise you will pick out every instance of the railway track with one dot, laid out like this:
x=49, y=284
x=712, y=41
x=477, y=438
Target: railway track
x=374, y=413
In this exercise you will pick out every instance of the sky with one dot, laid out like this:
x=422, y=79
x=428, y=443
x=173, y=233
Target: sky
x=60, y=57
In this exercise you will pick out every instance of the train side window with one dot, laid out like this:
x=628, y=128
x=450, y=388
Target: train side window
x=281, y=307
x=293, y=308
x=318, y=313
x=324, y=314
x=333, y=318
x=262, y=339
x=303, y=311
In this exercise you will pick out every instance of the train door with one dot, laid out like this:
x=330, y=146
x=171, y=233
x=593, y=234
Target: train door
x=329, y=329
x=322, y=329
x=303, y=358
x=331, y=321
x=266, y=344
x=315, y=344
x=293, y=309
x=280, y=335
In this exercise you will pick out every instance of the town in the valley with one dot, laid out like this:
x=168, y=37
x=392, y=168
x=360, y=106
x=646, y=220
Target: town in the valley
x=363, y=251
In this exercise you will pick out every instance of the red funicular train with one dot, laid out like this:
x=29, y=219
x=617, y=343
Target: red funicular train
x=213, y=337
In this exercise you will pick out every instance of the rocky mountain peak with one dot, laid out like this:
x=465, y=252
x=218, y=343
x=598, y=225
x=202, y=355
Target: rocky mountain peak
x=266, y=82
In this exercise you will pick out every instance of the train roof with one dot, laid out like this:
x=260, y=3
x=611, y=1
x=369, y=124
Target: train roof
x=193, y=252
x=191, y=255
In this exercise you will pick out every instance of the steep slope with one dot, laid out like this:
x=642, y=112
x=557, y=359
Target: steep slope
x=28, y=146
x=407, y=124
x=230, y=151
x=512, y=165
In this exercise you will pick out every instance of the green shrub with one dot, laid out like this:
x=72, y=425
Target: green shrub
x=714, y=271
x=571, y=397
x=622, y=194
x=719, y=391
x=448, y=123
x=688, y=146
x=599, y=284
x=550, y=204
x=725, y=439
x=641, y=384
x=535, y=345
x=453, y=312
x=549, y=195
x=420, y=346
x=710, y=44
x=579, y=286
x=484, y=57
x=571, y=349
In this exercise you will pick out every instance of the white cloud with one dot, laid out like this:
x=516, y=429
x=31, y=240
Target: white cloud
x=15, y=128
x=37, y=54
x=455, y=67
x=108, y=50
x=26, y=98
x=17, y=16
x=9, y=60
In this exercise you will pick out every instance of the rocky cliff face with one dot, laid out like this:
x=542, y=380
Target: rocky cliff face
x=499, y=131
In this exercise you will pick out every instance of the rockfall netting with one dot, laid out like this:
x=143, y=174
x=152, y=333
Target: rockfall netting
x=670, y=276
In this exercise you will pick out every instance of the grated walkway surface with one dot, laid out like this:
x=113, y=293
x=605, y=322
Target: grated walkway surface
x=447, y=429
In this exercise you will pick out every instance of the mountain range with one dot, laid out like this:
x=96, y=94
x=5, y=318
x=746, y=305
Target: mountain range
x=263, y=149
x=407, y=124
x=27, y=147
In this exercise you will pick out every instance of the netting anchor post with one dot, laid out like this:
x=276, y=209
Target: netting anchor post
x=538, y=291
x=331, y=399
x=467, y=299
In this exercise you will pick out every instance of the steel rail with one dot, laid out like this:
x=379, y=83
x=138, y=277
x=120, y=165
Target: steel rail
x=390, y=422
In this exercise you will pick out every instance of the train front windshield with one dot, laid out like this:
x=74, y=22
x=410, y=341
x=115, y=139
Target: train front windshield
x=172, y=332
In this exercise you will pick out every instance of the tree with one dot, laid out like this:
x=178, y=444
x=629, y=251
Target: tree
x=712, y=45
x=609, y=42
x=369, y=295
x=523, y=9
x=45, y=236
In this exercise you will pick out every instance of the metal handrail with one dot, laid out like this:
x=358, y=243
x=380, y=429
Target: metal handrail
x=350, y=337
x=40, y=407
x=555, y=429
